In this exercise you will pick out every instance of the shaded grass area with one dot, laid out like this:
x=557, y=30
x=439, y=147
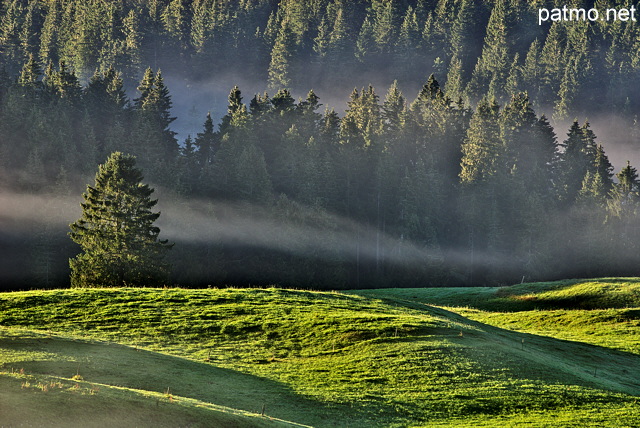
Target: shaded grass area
x=612, y=328
x=603, y=312
x=113, y=364
x=321, y=359
x=572, y=294
x=50, y=401
x=615, y=417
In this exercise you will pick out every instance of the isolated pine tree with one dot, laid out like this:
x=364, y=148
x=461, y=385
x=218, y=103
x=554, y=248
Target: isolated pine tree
x=119, y=242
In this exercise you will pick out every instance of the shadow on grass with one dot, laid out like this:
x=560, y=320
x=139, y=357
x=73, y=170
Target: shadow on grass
x=118, y=365
x=545, y=358
x=596, y=293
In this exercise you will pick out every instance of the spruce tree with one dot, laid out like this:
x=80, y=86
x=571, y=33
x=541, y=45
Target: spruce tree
x=281, y=57
x=394, y=109
x=206, y=143
x=365, y=45
x=483, y=154
x=120, y=245
x=30, y=74
x=493, y=63
x=578, y=158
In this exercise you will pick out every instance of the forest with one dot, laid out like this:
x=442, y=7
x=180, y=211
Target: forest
x=490, y=174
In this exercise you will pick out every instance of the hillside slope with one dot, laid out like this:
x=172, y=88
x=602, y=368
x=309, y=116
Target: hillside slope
x=603, y=311
x=320, y=359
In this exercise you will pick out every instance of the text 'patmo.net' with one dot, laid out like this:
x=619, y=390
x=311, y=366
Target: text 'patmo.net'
x=581, y=14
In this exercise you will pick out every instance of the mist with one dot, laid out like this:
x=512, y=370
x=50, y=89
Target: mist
x=35, y=227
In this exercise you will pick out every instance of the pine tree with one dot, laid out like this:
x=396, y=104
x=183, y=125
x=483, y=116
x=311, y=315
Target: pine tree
x=394, y=109
x=329, y=130
x=455, y=86
x=158, y=146
x=408, y=41
x=9, y=31
x=592, y=191
x=200, y=25
x=105, y=96
x=513, y=82
x=551, y=62
x=493, y=64
x=482, y=151
x=30, y=74
x=385, y=25
x=603, y=169
x=145, y=87
x=519, y=137
x=130, y=59
x=115, y=91
x=48, y=34
x=175, y=20
x=362, y=118
x=66, y=83
x=463, y=36
x=628, y=184
x=162, y=106
x=259, y=105
x=577, y=159
x=339, y=44
x=120, y=245
x=308, y=119
x=206, y=143
x=365, y=44
x=321, y=41
x=531, y=71
x=280, y=68
x=239, y=168
x=29, y=30
x=188, y=168
x=235, y=104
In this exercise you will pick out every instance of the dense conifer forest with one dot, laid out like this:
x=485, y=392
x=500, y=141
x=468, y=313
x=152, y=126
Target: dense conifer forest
x=474, y=179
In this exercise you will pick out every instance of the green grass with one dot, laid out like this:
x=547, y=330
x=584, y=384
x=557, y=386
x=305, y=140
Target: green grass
x=603, y=293
x=50, y=401
x=603, y=312
x=374, y=358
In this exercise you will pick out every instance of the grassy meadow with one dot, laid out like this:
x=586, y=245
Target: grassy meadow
x=546, y=354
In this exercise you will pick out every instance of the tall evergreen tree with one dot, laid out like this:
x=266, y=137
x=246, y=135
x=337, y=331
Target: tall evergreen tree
x=493, y=63
x=483, y=153
x=30, y=74
x=205, y=143
x=577, y=159
x=280, y=68
x=116, y=233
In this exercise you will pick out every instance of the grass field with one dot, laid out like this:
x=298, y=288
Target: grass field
x=547, y=354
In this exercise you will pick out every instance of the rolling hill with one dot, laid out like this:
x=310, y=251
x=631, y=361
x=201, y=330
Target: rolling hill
x=548, y=354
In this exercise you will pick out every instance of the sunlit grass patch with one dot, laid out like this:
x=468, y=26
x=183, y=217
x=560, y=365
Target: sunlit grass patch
x=383, y=358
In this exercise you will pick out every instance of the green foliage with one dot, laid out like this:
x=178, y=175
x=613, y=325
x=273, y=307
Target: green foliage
x=482, y=150
x=281, y=56
x=399, y=168
x=278, y=42
x=116, y=234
